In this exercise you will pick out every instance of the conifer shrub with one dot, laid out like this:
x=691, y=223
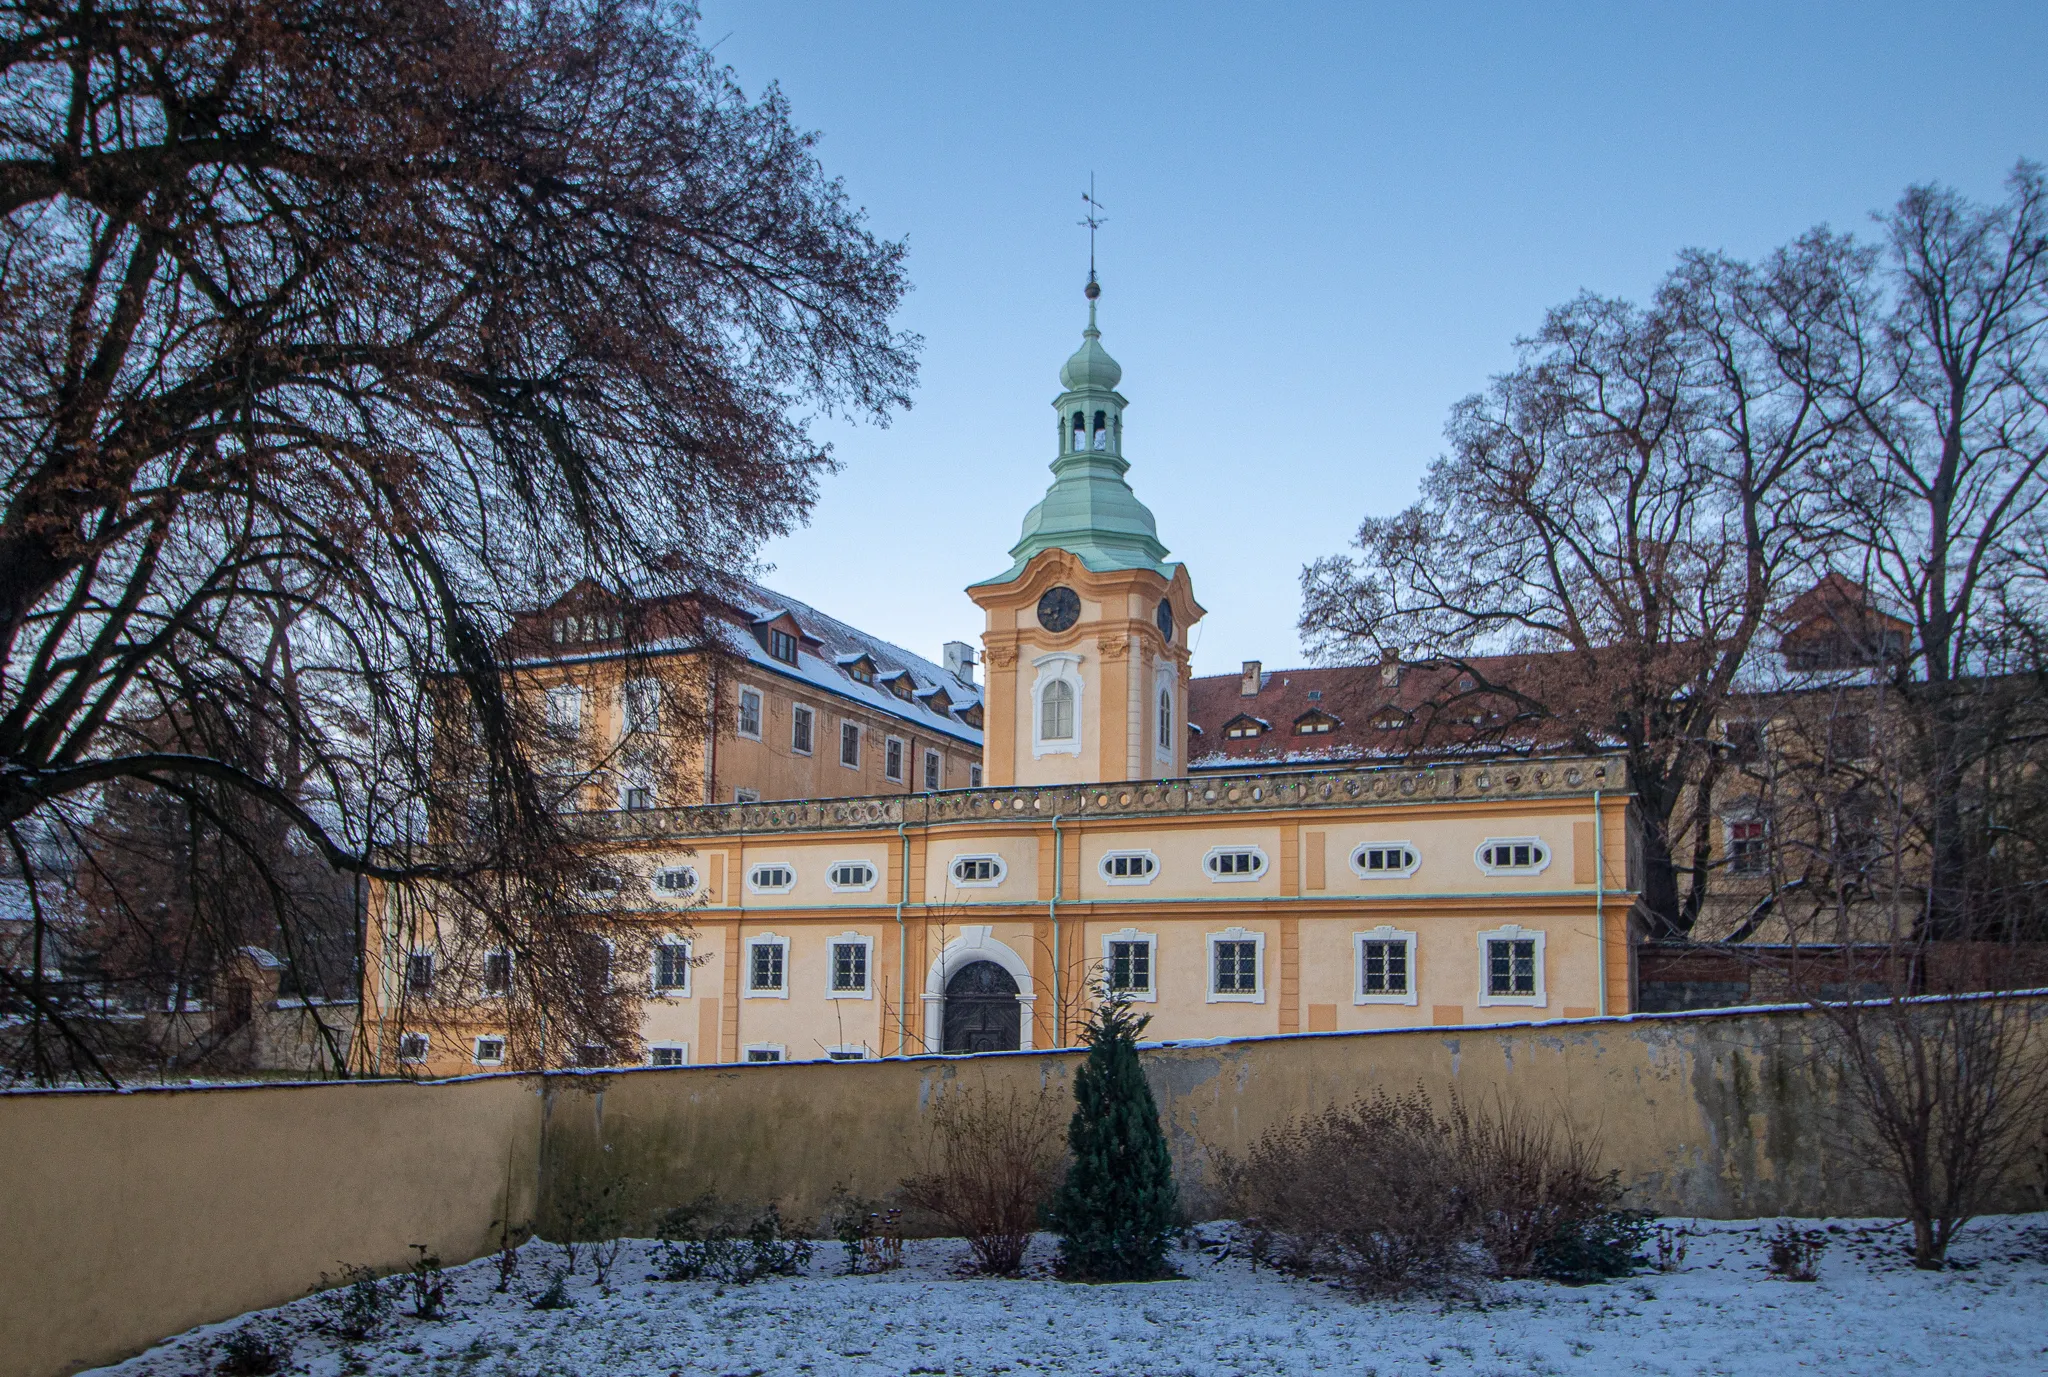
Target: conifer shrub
x=1118, y=1209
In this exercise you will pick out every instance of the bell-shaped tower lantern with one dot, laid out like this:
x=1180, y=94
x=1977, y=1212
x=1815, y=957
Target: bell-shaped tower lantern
x=1086, y=642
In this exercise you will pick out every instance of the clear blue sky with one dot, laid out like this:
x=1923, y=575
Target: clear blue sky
x=1328, y=223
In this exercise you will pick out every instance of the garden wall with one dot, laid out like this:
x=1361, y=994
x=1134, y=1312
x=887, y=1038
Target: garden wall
x=127, y=1217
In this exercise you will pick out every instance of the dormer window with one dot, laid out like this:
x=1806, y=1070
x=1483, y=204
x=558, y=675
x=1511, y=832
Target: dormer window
x=859, y=668
x=782, y=645
x=1314, y=723
x=1243, y=727
x=1390, y=720
x=861, y=673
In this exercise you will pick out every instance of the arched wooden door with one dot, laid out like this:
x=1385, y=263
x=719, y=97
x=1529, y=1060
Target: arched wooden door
x=982, y=1013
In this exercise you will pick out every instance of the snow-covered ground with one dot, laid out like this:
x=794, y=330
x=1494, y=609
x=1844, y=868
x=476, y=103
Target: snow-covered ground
x=1721, y=1312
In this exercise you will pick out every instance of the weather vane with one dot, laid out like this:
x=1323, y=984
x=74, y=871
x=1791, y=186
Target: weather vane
x=1094, y=219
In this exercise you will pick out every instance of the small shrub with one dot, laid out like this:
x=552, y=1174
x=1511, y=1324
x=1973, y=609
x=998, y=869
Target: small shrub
x=990, y=1158
x=1533, y=1183
x=1670, y=1245
x=1795, y=1252
x=509, y=1239
x=253, y=1351
x=727, y=1250
x=1598, y=1247
x=358, y=1302
x=428, y=1283
x=1369, y=1193
x=871, y=1236
x=555, y=1295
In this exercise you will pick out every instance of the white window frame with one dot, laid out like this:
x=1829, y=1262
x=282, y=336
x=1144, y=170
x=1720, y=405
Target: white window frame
x=1216, y=996
x=629, y=724
x=874, y=875
x=952, y=862
x=747, y=1053
x=678, y=896
x=1151, y=941
x=849, y=1051
x=804, y=713
x=1102, y=867
x=894, y=746
x=934, y=771
x=1386, y=932
x=747, y=988
x=1745, y=819
x=1486, y=868
x=1064, y=667
x=739, y=721
x=1510, y=932
x=1358, y=867
x=832, y=944
x=433, y=972
x=483, y=988
x=654, y=984
x=753, y=887
x=681, y=1049
x=637, y=779
x=476, y=1050
x=1265, y=864
x=565, y=709
x=424, y=1043
x=846, y=726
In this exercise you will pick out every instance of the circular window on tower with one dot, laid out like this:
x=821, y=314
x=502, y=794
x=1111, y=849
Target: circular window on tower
x=1059, y=609
x=1164, y=616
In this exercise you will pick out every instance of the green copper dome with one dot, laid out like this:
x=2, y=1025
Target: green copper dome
x=1090, y=511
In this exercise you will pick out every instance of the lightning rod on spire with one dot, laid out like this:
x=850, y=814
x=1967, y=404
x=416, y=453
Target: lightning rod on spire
x=1094, y=219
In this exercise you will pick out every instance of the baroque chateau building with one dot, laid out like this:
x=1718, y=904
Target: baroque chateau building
x=863, y=853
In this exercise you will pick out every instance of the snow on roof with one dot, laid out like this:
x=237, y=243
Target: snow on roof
x=841, y=644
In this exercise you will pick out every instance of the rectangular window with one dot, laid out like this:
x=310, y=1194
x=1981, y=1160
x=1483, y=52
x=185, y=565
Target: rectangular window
x=749, y=724
x=669, y=1055
x=892, y=759
x=419, y=973
x=1511, y=966
x=1236, y=967
x=764, y=966
x=1745, y=741
x=849, y=968
x=1748, y=847
x=764, y=1054
x=974, y=776
x=640, y=706
x=497, y=972
x=800, y=729
x=1383, y=968
x=849, y=744
x=489, y=1051
x=782, y=646
x=746, y=796
x=1130, y=967
x=565, y=710
x=934, y=767
x=638, y=796
x=672, y=967
x=412, y=1047
x=847, y=1053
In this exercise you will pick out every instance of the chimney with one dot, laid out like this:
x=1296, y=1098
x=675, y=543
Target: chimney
x=958, y=658
x=1250, y=687
x=1390, y=668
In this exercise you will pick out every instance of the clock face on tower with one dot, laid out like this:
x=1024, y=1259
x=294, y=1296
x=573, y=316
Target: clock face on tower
x=1164, y=616
x=1059, y=609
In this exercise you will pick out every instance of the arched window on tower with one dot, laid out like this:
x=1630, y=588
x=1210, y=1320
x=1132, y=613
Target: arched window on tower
x=1101, y=430
x=1056, y=711
x=1080, y=431
x=1166, y=719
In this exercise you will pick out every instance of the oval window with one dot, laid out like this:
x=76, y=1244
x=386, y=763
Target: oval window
x=851, y=875
x=1381, y=860
x=675, y=879
x=771, y=879
x=1129, y=867
x=1235, y=863
x=1513, y=855
x=978, y=870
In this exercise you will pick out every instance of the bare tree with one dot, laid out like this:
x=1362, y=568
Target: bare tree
x=379, y=320
x=1616, y=521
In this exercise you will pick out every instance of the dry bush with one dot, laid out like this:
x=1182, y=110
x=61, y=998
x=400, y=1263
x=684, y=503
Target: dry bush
x=1396, y=1199
x=1531, y=1182
x=988, y=1162
x=1370, y=1192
